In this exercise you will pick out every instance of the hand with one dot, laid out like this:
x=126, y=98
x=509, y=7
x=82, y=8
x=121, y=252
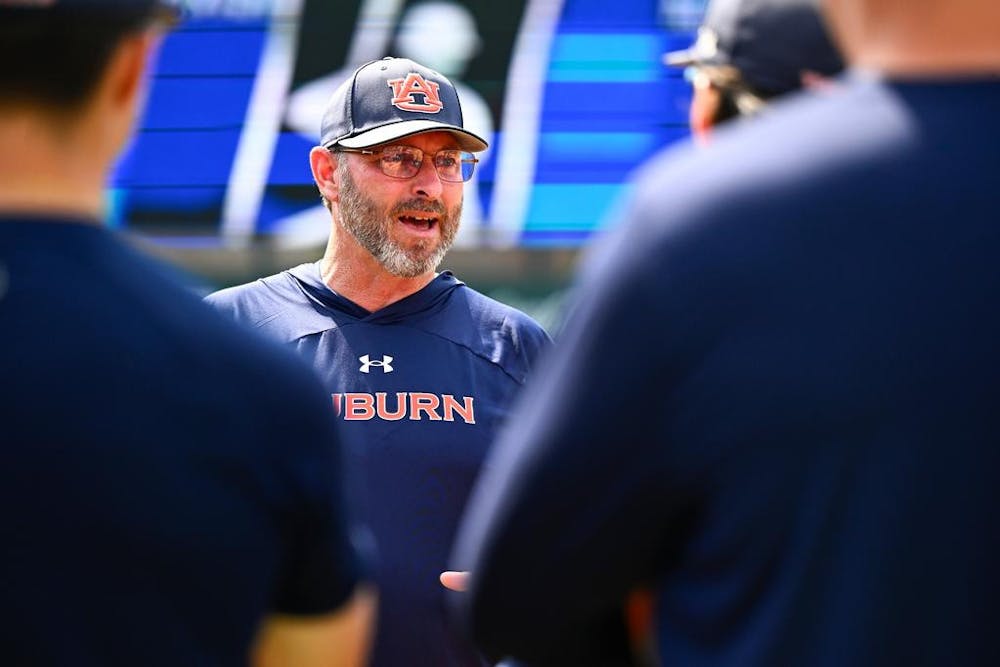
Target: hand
x=640, y=610
x=456, y=581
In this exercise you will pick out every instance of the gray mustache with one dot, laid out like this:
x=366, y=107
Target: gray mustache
x=419, y=205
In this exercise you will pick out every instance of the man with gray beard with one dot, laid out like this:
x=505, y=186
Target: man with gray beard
x=420, y=368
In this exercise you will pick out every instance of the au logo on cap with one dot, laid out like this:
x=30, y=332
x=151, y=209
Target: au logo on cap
x=415, y=93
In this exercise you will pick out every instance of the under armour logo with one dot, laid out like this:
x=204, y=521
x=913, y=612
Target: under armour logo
x=415, y=93
x=367, y=363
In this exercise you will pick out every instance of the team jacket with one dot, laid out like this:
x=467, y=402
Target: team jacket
x=420, y=388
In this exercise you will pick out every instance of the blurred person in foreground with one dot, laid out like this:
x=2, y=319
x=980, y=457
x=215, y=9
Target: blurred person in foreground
x=749, y=52
x=775, y=404
x=171, y=492
x=420, y=368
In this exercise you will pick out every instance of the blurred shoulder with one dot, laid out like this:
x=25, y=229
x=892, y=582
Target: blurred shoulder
x=799, y=141
x=255, y=302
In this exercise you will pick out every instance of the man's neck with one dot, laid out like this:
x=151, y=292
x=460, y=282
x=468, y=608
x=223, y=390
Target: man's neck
x=954, y=39
x=351, y=271
x=37, y=176
x=930, y=65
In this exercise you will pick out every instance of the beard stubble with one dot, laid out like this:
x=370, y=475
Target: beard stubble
x=372, y=228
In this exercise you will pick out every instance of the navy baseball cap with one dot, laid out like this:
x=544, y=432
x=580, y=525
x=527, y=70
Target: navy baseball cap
x=390, y=99
x=769, y=41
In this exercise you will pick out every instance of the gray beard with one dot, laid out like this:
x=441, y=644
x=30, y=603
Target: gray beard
x=360, y=216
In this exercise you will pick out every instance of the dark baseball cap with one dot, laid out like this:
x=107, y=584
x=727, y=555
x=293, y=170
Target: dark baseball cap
x=769, y=41
x=390, y=99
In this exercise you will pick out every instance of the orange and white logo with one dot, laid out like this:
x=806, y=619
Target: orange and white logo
x=415, y=93
x=412, y=405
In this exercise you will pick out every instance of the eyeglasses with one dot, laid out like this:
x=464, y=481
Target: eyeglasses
x=453, y=166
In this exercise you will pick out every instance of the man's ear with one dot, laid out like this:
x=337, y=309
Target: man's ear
x=705, y=102
x=116, y=102
x=324, y=171
x=127, y=70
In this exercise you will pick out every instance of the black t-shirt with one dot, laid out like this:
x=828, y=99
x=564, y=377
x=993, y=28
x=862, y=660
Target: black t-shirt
x=167, y=478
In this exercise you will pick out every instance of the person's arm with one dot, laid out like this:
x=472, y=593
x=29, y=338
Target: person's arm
x=338, y=639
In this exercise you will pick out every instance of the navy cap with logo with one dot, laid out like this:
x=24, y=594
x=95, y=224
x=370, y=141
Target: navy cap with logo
x=771, y=42
x=392, y=98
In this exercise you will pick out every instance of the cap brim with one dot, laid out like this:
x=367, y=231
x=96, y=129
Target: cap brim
x=467, y=141
x=704, y=51
x=695, y=55
x=684, y=58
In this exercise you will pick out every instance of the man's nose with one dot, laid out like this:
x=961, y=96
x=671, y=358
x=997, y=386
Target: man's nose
x=426, y=182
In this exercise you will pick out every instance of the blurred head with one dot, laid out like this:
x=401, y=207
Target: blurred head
x=918, y=39
x=57, y=57
x=750, y=51
x=53, y=53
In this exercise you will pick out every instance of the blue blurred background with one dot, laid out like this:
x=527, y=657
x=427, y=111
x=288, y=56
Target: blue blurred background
x=571, y=93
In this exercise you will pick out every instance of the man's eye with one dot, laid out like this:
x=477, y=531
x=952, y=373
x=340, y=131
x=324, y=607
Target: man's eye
x=446, y=161
x=402, y=159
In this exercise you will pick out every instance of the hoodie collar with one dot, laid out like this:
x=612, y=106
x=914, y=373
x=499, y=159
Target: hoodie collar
x=427, y=298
